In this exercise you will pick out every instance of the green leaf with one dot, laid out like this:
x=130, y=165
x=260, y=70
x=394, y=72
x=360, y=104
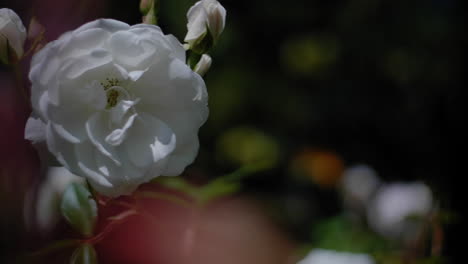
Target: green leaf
x=54, y=247
x=176, y=183
x=85, y=254
x=217, y=188
x=340, y=234
x=79, y=209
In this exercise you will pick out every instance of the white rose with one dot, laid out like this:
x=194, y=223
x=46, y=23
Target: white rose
x=390, y=211
x=205, y=13
x=358, y=184
x=50, y=194
x=120, y=105
x=323, y=256
x=12, y=33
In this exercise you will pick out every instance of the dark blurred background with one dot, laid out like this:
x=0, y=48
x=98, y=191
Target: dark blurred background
x=357, y=81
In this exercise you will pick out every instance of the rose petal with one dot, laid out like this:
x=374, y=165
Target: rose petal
x=117, y=136
x=109, y=25
x=35, y=130
x=96, y=128
x=131, y=50
x=150, y=141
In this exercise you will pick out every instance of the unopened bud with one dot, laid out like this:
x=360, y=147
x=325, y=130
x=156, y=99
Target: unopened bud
x=145, y=6
x=12, y=35
x=203, y=65
x=35, y=29
x=149, y=19
x=206, y=20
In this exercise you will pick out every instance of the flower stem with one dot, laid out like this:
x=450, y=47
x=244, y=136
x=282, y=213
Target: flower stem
x=20, y=83
x=163, y=196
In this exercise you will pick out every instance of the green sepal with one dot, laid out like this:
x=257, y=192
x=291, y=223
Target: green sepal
x=145, y=6
x=203, y=44
x=79, y=209
x=85, y=254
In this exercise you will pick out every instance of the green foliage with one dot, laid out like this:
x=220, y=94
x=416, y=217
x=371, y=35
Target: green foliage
x=79, y=209
x=85, y=254
x=338, y=233
x=221, y=186
x=204, y=43
x=247, y=146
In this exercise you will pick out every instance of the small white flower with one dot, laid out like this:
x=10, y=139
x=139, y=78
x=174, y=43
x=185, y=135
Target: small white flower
x=390, y=211
x=12, y=33
x=358, y=185
x=322, y=256
x=203, y=65
x=50, y=194
x=119, y=105
x=205, y=14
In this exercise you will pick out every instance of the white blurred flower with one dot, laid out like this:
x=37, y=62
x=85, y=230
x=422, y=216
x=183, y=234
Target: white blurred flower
x=49, y=196
x=205, y=15
x=358, y=185
x=12, y=34
x=118, y=103
x=322, y=256
x=393, y=207
x=203, y=65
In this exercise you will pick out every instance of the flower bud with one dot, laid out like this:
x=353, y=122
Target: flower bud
x=149, y=19
x=12, y=35
x=35, y=30
x=149, y=9
x=49, y=196
x=203, y=65
x=206, y=20
x=145, y=6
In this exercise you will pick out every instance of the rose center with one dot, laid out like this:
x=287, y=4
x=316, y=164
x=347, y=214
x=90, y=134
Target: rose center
x=112, y=97
x=113, y=91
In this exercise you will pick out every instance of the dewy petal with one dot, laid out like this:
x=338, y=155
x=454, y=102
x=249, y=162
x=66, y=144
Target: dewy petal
x=150, y=141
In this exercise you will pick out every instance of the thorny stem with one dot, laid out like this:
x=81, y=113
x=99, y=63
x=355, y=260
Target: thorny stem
x=432, y=223
x=133, y=209
x=34, y=45
x=163, y=196
x=118, y=219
